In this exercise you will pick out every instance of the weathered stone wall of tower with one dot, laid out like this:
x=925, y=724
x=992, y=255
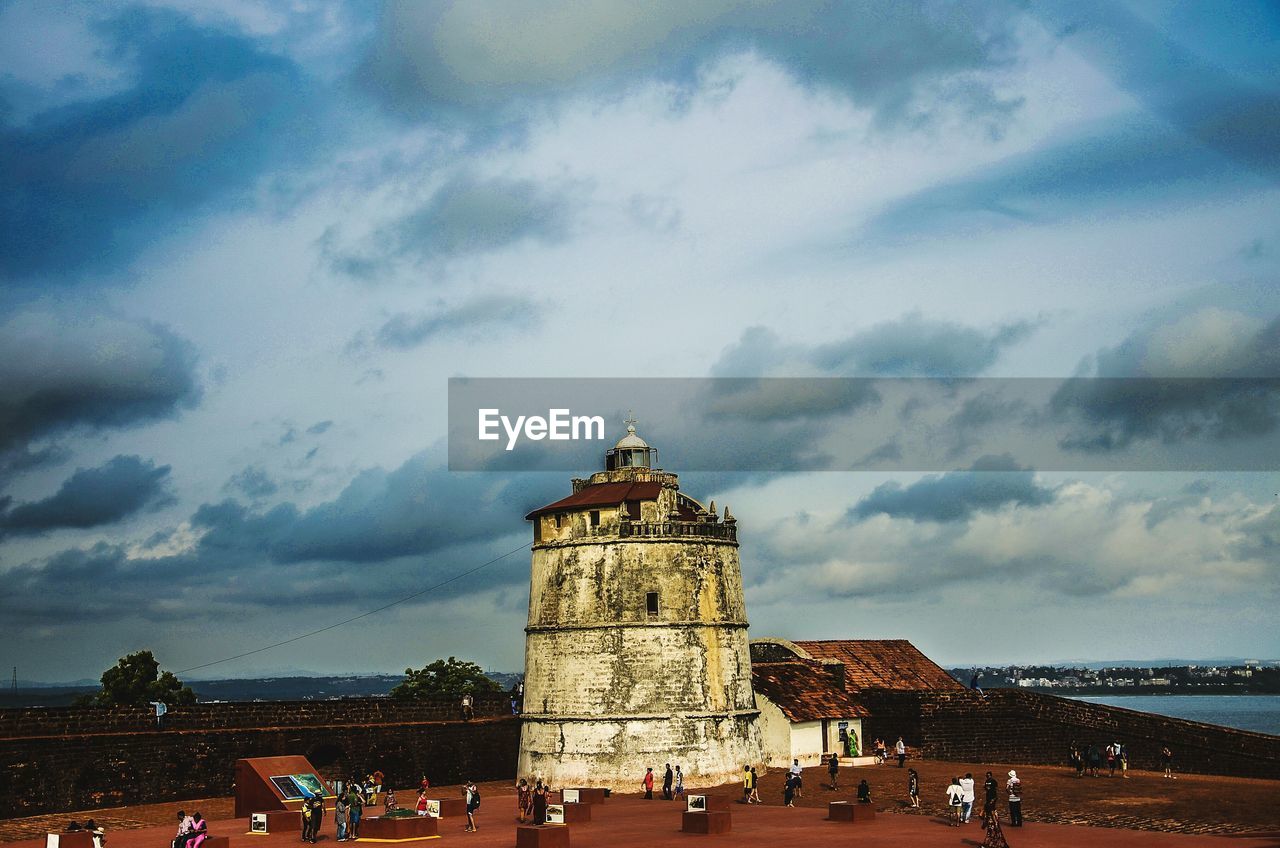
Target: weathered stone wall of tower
x=610, y=688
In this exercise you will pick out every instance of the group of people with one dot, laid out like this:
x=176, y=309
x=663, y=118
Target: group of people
x=1091, y=760
x=960, y=800
x=192, y=830
x=531, y=801
x=95, y=830
x=881, y=753
x=672, y=783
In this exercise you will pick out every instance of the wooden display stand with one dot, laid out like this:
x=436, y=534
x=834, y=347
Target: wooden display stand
x=216, y=842
x=840, y=811
x=589, y=796
x=718, y=803
x=450, y=807
x=283, y=821
x=863, y=812
x=711, y=822
x=399, y=827
x=257, y=792
x=544, y=836
x=72, y=839
x=577, y=813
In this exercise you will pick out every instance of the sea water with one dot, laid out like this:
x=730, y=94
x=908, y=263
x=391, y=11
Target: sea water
x=1259, y=713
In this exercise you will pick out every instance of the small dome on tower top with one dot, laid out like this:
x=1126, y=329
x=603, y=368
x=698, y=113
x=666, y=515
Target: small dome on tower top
x=631, y=440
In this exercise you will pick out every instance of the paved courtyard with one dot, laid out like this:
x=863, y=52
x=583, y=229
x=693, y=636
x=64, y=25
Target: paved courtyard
x=1146, y=810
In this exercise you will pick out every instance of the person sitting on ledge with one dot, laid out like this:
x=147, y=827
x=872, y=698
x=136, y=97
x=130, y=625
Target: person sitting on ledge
x=184, y=827
x=99, y=835
x=199, y=831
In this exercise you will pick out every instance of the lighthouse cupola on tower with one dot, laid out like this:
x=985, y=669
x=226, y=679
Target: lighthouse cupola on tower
x=636, y=649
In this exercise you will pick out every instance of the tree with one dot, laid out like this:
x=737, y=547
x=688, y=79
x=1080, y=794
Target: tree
x=444, y=679
x=136, y=681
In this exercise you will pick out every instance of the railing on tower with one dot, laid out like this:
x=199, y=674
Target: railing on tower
x=704, y=529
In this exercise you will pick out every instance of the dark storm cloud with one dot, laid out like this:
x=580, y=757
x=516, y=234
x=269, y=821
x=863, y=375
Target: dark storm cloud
x=990, y=483
x=405, y=330
x=1221, y=110
x=253, y=482
x=387, y=534
x=1201, y=130
x=1125, y=162
x=911, y=346
x=1226, y=388
x=429, y=58
x=92, y=497
x=86, y=184
x=61, y=370
x=464, y=217
x=415, y=509
x=915, y=347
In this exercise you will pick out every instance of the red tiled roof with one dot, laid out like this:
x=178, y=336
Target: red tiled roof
x=882, y=664
x=601, y=494
x=803, y=691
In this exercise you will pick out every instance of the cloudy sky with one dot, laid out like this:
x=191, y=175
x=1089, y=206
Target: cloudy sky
x=245, y=244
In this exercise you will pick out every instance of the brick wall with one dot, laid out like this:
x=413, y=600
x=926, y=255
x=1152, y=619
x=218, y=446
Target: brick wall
x=72, y=759
x=58, y=721
x=1016, y=726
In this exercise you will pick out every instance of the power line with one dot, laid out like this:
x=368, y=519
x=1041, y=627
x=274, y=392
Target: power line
x=346, y=621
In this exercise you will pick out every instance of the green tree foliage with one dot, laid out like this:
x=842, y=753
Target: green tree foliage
x=444, y=679
x=136, y=681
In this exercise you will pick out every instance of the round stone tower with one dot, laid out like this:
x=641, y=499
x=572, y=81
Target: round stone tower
x=636, y=652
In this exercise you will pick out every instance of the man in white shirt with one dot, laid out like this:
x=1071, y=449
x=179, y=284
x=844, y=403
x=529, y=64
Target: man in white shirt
x=901, y=750
x=797, y=778
x=966, y=799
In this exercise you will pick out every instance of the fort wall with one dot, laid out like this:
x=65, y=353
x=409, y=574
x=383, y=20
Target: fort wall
x=60, y=759
x=1016, y=726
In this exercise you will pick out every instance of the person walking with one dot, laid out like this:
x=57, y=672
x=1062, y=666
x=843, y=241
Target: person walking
x=797, y=775
x=989, y=790
x=539, y=804
x=955, y=796
x=833, y=769
x=524, y=798
x=1166, y=757
x=966, y=802
x=668, y=778
x=995, y=835
x=647, y=783
x=789, y=791
x=1014, y=789
x=901, y=750
x=679, y=783
x=746, y=784
x=1124, y=761
x=913, y=788
x=755, y=787
x=342, y=816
